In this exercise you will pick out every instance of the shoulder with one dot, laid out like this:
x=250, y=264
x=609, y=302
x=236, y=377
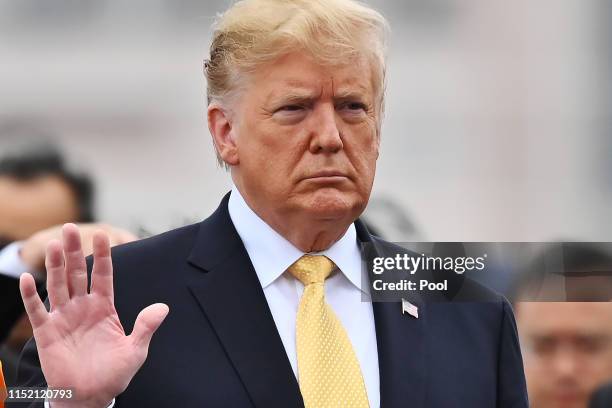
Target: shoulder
x=178, y=241
x=603, y=397
x=151, y=255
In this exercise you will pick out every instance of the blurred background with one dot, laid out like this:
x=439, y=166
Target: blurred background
x=498, y=128
x=498, y=123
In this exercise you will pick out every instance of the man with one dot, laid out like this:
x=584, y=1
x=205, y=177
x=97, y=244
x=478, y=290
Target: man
x=261, y=302
x=568, y=351
x=38, y=192
x=567, y=345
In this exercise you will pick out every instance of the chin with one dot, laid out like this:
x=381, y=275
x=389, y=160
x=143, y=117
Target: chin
x=330, y=203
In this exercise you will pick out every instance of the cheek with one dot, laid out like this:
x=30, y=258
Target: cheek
x=363, y=153
x=605, y=368
x=282, y=155
x=364, y=163
x=532, y=367
x=271, y=155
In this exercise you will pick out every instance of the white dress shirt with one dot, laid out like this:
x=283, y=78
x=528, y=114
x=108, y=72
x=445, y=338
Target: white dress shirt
x=271, y=255
x=11, y=263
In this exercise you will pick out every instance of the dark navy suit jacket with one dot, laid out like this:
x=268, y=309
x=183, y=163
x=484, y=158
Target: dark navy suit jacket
x=219, y=346
x=602, y=398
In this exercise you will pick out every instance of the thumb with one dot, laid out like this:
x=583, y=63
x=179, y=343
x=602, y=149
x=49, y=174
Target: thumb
x=148, y=321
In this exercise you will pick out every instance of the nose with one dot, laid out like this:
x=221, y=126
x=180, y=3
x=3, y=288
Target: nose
x=325, y=136
x=565, y=364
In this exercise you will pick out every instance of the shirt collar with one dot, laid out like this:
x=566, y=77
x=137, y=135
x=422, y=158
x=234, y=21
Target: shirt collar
x=271, y=254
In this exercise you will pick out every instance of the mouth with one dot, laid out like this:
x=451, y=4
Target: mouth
x=567, y=396
x=327, y=175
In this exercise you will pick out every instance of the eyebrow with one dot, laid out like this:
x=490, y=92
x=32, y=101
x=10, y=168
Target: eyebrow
x=291, y=97
x=344, y=95
x=580, y=335
x=304, y=96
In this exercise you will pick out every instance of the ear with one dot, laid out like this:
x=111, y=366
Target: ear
x=220, y=126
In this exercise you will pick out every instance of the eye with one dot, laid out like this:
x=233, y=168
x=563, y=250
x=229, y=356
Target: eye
x=290, y=108
x=290, y=114
x=591, y=345
x=543, y=346
x=354, y=106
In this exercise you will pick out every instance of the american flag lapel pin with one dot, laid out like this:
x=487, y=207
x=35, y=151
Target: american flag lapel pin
x=409, y=308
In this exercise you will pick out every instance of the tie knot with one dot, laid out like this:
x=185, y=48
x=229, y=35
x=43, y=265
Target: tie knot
x=312, y=269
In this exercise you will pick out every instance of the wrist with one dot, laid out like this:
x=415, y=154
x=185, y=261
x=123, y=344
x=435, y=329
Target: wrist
x=82, y=400
x=80, y=404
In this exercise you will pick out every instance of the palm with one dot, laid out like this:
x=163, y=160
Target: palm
x=66, y=341
x=81, y=342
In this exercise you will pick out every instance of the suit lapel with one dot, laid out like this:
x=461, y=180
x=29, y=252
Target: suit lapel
x=401, y=344
x=233, y=301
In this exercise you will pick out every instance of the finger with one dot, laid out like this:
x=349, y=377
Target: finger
x=76, y=268
x=57, y=283
x=147, y=322
x=102, y=272
x=33, y=305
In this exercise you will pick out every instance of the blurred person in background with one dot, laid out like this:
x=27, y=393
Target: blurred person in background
x=567, y=351
x=567, y=345
x=37, y=193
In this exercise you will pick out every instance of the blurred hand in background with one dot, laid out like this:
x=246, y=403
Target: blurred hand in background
x=33, y=250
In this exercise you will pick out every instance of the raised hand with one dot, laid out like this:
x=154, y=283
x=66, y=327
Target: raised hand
x=81, y=342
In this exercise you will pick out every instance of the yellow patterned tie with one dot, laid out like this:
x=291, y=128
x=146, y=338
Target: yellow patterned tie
x=329, y=372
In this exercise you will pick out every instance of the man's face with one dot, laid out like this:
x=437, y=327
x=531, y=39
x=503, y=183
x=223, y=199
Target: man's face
x=307, y=139
x=27, y=207
x=567, y=348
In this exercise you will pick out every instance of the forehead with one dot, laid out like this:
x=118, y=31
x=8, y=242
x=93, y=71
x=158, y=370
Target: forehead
x=564, y=317
x=300, y=72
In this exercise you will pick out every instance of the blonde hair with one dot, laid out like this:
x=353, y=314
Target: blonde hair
x=254, y=32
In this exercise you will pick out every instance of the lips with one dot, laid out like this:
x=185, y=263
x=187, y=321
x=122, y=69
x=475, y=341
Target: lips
x=326, y=173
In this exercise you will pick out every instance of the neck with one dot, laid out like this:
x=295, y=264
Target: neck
x=306, y=232
x=310, y=236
